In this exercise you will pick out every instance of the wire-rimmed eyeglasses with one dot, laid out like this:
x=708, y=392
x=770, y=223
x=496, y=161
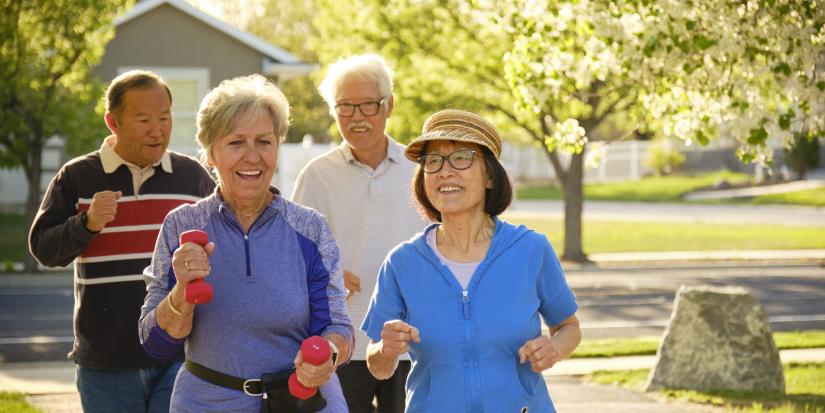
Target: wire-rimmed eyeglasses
x=347, y=110
x=460, y=160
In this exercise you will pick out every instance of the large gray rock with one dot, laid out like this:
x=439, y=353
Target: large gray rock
x=718, y=338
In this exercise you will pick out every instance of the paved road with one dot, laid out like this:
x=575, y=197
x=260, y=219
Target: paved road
x=638, y=211
x=35, y=322
x=624, y=302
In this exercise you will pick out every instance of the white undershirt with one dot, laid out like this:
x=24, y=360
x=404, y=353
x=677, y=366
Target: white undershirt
x=462, y=271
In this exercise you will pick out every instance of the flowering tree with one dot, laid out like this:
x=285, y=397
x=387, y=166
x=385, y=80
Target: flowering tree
x=692, y=69
x=750, y=70
x=557, y=72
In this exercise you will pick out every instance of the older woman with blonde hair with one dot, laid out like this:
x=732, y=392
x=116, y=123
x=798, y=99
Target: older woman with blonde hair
x=467, y=296
x=273, y=265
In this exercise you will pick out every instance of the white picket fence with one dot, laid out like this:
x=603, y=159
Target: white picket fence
x=13, y=185
x=623, y=161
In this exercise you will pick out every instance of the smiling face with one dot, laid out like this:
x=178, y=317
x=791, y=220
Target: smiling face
x=452, y=191
x=245, y=159
x=142, y=125
x=363, y=133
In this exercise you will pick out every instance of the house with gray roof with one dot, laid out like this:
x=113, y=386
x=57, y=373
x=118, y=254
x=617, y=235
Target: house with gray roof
x=191, y=50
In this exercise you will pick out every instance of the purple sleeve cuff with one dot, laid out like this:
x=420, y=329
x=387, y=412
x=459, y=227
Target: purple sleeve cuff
x=161, y=345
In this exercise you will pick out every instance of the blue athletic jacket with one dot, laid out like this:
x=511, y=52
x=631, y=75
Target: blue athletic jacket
x=467, y=360
x=274, y=286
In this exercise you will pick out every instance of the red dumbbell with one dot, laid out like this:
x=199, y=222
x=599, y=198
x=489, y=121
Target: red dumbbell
x=198, y=291
x=314, y=350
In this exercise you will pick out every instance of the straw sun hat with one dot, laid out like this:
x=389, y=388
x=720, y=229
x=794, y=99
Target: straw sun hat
x=455, y=125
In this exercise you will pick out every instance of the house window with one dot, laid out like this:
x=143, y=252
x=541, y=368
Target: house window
x=188, y=87
x=185, y=100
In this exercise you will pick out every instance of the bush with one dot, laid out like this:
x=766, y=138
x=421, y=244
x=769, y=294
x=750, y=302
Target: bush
x=8, y=266
x=804, y=155
x=663, y=159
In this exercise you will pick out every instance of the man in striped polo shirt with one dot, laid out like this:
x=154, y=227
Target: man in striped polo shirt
x=103, y=211
x=363, y=189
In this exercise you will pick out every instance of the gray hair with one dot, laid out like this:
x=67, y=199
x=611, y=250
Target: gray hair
x=223, y=105
x=370, y=67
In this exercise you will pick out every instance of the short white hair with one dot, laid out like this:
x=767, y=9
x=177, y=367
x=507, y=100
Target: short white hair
x=370, y=67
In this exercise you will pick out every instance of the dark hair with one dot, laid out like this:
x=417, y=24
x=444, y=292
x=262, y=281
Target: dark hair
x=496, y=199
x=133, y=79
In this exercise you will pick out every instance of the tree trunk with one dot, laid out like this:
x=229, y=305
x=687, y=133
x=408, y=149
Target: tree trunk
x=33, y=176
x=572, y=186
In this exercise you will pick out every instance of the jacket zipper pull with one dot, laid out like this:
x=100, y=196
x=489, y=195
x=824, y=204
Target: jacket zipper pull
x=246, y=247
x=465, y=300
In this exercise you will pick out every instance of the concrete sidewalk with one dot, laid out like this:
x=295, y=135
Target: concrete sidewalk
x=50, y=385
x=789, y=215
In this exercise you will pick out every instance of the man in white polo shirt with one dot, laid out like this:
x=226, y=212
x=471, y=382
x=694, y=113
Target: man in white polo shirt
x=363, y=188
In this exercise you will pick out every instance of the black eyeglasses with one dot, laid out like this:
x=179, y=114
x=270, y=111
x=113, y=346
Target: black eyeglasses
x=347, y=110
x=433, y=162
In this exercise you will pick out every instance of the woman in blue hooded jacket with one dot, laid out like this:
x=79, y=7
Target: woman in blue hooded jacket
x=466, y=297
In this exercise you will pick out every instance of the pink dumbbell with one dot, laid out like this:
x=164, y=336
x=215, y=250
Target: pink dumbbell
x=314, y=350
x=198, y=291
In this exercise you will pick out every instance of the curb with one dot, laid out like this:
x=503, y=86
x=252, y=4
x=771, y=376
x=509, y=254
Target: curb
x=692, y=256
x=40, y=280
x=58, y=377
x=583, y=366
x=600, y=261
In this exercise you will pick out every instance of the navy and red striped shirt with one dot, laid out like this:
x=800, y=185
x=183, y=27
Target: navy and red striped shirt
x=109, y=286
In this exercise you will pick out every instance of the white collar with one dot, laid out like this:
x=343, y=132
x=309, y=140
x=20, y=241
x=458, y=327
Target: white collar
x=111, y=160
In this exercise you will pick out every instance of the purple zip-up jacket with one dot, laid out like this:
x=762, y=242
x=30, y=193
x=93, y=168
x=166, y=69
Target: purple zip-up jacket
x=273, y=287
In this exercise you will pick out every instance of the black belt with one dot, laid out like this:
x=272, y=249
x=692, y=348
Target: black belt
x=251, y=387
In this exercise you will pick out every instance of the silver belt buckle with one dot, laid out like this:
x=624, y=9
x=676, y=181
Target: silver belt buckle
x=246, y=384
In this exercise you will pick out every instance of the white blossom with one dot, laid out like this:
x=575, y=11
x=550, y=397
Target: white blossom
x=596, y=154
x=699, y=67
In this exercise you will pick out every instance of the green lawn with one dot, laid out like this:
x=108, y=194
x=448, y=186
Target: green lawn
x=648, y=189
x=598, y=236
x=15, y=403
x=804, y=387
x=617, y=347
x=672, y=189
x=800, y=339
x=811, y=197
x=626, y=236
x=640, y=346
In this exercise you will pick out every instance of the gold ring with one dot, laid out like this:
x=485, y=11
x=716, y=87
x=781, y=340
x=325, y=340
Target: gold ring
x=186, y=264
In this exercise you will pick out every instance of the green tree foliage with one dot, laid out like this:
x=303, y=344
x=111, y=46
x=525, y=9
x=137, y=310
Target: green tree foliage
x=287, y=24
x=449, y=53
x=443, y=54
x=47, y=51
